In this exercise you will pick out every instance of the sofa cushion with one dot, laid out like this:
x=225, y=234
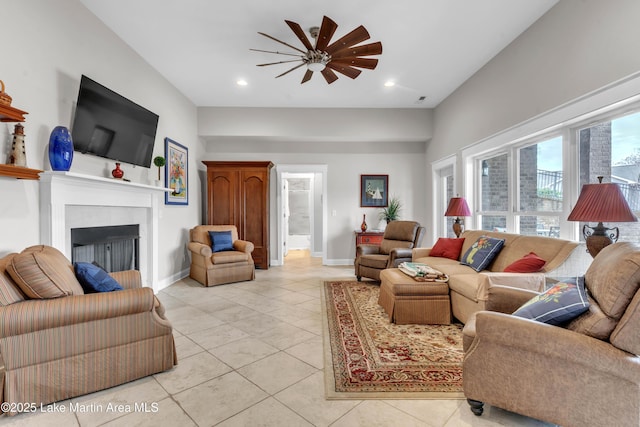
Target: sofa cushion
x=625, y=335
x=482, y=252
x=613, y=277
x=221, y=241
x=559, y=304
x=529, y=263
x=229, y=257
x=44, y=272
x=447, y=248
x=10, y=293
x=94, y=279
x=593, y=323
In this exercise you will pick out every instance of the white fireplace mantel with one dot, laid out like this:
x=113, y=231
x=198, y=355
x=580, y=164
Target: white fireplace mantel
x=62, y=191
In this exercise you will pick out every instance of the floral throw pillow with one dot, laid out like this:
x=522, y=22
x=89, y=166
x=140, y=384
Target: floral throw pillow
x=482, y=252
x=563, y=302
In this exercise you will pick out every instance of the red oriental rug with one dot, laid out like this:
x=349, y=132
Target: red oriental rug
x=367, y=357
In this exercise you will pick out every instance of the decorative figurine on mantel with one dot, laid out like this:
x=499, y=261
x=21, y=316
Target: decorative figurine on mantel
x=18, y=154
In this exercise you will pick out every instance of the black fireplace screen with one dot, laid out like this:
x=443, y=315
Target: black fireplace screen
x=114, y=248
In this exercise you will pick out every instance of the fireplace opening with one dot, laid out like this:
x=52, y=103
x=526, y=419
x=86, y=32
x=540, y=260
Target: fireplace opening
x=114, y=248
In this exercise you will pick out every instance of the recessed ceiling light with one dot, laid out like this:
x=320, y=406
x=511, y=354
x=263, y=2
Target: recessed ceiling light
x=389, y=83
x=242, y=82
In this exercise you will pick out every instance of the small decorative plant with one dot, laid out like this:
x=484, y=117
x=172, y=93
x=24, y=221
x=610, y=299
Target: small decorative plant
x=159, y=161
x=392, y=211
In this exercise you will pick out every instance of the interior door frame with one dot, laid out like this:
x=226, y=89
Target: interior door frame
x=302, y=168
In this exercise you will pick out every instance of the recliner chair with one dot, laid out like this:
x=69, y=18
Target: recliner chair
x=400, y=237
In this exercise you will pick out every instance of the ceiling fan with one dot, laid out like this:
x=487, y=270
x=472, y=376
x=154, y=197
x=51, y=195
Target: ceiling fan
x=342, y=55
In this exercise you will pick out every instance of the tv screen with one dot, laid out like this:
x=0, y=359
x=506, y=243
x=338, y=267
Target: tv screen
x=109, y=125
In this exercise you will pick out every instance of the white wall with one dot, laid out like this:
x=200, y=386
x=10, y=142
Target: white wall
x=49, y=45
x=578, y=47
x=406, y=173
x=350, y=142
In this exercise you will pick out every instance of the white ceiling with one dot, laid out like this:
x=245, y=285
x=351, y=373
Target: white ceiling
x=430, y=47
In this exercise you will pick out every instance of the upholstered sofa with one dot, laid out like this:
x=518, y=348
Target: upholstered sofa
x=468, y=288
x=216, y=268
x=399, y=238
x=583, y=372
x=57, y=342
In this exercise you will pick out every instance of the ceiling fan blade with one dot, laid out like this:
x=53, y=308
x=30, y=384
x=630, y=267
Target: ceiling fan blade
x=362, y=50
x=307, y=76
x=356, y=36
x=327, y=29
x=287, y=72
x=280, y=41
x=344, y=69
x=329, y=75
x=279, y=62
x=367, y=63
x=299, y=32
x=275, y=51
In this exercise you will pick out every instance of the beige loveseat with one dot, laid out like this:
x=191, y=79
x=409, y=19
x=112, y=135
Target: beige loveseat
x=57, y=343
x=583, y=373
x=469, y=288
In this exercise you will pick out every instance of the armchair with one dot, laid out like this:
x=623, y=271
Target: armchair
x=216, y=268
x=68, y=344
x=585, y=373
x=400, y=237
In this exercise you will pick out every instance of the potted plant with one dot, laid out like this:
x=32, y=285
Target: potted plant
x=159, y=161
x=392, y=211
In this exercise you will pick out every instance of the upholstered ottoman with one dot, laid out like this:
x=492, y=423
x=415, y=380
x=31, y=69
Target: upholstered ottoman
x=406, y=300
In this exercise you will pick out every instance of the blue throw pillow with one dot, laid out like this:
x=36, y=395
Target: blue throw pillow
x=95, y=279
x=221, y=241
x=482, y=252
x=563, y=302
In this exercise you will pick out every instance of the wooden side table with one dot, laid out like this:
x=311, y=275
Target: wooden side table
x=369, y=237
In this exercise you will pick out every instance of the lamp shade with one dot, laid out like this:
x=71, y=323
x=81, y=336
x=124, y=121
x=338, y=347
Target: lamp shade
x=457, y=207
x=601, y=203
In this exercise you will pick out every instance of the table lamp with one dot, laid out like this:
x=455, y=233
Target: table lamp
x=601, y=203
x=457, y=207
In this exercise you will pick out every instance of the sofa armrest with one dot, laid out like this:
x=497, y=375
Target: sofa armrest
x=199, y=249
x=34, y=315
x=129, y=279
x=505, y=299
x=517, y=336
x=243, y=246
x=420, y=253
x=398, y=256
x=367, y=250
x=530, y=281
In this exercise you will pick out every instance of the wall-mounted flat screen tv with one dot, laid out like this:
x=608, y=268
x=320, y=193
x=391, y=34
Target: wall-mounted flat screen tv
x=109, y=125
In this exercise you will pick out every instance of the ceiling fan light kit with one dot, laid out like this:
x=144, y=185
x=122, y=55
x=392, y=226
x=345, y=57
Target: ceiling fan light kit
x=343, y=56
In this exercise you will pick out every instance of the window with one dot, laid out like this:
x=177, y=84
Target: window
x=494, y=193
x=540, y=188
x=611, y=149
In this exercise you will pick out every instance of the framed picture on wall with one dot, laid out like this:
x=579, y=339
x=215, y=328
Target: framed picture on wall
x=176, y=173
x=374, y=191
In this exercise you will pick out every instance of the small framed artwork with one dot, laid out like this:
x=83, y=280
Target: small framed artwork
x=374, y=191
x=176, y=173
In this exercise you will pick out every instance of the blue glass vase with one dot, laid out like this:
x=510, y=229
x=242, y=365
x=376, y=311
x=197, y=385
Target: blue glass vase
x=60, y=149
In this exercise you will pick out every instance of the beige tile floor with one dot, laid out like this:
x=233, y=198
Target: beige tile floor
x=250, y=354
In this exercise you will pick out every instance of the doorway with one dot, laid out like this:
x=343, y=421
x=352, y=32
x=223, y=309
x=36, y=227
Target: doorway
x=301, y=205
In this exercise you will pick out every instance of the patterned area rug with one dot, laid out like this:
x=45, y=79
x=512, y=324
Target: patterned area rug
x=367, y=357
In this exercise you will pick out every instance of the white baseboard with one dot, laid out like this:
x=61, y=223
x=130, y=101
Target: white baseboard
x=168, y=281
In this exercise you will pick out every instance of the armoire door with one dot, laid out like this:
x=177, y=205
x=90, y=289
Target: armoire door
x=223, y=200
x=254, y=221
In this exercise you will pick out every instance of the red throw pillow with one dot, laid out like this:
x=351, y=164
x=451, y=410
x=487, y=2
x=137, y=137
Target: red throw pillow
x=529, y=263
x=447, y=248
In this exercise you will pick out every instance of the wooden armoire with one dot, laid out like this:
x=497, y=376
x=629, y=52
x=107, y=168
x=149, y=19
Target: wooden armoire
x=238, y=193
